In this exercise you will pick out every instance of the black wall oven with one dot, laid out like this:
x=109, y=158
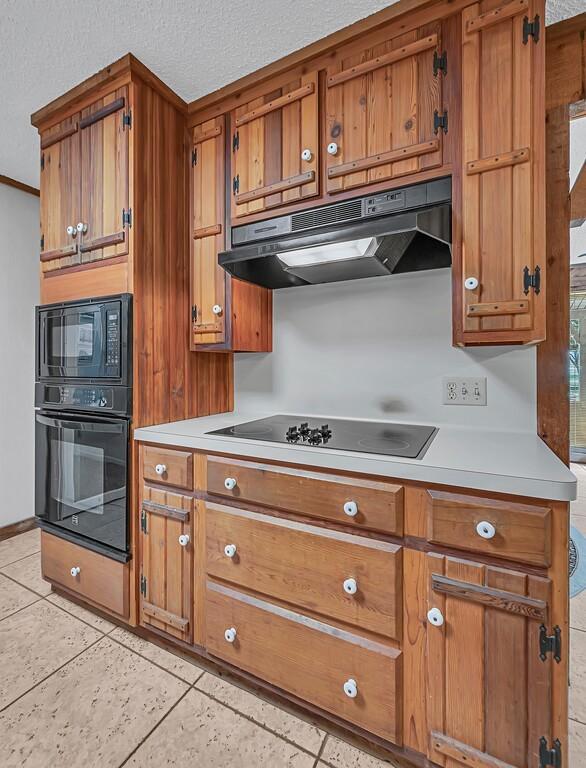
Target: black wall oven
x=83, y=394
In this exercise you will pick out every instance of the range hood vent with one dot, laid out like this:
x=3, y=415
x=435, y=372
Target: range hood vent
x=403, y=230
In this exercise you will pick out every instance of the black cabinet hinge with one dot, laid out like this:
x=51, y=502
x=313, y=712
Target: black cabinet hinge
x=194, y=313
x=43, y=161
x=127, y=120
x=143, y=521
x=531, y=280
x=440, y=63
x=235, y=141
x=236, y=184
x=531, y=28
x=194, y=157
x=143, y=585
x=126, y=218
x=550, y=643
x=550, y=756
x=42, y=242
x=440, y=122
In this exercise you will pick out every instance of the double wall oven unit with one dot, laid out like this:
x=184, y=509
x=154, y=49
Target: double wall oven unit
x=83, y=394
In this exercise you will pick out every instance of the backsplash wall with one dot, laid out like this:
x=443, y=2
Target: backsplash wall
x=378, y=349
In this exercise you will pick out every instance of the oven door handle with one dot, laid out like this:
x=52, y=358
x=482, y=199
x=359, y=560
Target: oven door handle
x=82, y=426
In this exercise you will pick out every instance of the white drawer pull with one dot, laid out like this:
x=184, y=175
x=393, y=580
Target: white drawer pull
x=351, y=508
x=230, y=635
x=230, y=483
x=184, y=539
x=306, y=155
x=230, y=550
x=75, y=571
x=217, y=309
x=160, y=469
x=350, y=586
x=350, y=688
x=435, y=617
x=486, y=530
x=332, y=148
x=471, y=283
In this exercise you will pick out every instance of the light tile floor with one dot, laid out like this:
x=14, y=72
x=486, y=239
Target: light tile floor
x=75, y=690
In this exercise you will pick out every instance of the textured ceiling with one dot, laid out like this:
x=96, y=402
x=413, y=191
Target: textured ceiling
x=195, y=47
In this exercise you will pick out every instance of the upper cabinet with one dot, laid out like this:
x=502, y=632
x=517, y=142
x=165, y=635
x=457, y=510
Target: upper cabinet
x=85, y=210
x=499, y=286
x=385, y=115
x=226, y=314
x=275, y=147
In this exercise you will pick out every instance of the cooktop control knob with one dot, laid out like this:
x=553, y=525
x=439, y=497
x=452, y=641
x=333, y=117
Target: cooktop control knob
x=304, y=430
x=325, y=432
x=315, y=437
x=292, y=435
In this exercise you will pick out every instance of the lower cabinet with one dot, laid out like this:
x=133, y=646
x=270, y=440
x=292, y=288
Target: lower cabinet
x=489, y=692
x=166, y=562
x=346, y=674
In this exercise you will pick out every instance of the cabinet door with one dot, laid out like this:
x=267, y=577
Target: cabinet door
x=166, y=561
x=275, y=148
x=380, y=106
x=105, y=177
x=208, y=279
x=489, y=692
x=500, y=287
x=60, y=194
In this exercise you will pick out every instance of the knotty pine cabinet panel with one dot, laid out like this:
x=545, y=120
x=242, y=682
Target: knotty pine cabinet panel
x=502, y=280
x=60, y=194
x=166, y=562
x=275, y=148
x=105, y=196
x=489, y=692
x=226, y=313
x=380, y=106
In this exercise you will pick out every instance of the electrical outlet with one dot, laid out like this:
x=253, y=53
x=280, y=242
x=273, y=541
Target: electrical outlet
x=464, y=391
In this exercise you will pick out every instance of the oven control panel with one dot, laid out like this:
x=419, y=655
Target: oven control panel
x=79, y=397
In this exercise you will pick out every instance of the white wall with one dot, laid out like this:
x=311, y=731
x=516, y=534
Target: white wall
x=378, y=348
x=19, y=292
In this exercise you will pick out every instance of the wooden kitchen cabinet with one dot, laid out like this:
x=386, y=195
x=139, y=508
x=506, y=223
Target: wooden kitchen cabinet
x=499, y=287
x=166, y=562
x=226, y=313
x=385, y=114
x=85, y=182
x=275, y=147
x=489, y=693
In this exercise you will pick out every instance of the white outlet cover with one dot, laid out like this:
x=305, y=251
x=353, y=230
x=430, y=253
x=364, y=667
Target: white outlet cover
x=459, y=390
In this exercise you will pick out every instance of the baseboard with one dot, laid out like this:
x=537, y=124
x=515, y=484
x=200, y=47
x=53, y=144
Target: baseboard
x=7, y=531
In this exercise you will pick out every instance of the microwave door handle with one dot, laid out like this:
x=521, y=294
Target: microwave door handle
x=82, y=426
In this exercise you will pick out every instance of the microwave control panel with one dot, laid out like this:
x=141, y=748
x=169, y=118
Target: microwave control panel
x=113, y=338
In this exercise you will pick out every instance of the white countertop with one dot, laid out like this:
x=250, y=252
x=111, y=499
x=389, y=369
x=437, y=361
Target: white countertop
x=518, y=463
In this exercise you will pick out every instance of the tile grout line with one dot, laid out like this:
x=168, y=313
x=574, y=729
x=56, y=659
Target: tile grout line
x=575, y=720
x=73, y=615
x=22, y=608
x=157, y=724
x=321, y=750
x=255, y=722
x=19, y=559
x=20, y=584
x=44, y=679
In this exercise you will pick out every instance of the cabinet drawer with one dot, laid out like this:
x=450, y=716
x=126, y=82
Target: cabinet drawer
x=309, y=659
x=346, y=577
x=501, y=528
x=101, y=580
x=167, y=466
x=364, y=504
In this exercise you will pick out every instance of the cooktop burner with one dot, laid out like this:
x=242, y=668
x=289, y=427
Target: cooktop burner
x=407, y=440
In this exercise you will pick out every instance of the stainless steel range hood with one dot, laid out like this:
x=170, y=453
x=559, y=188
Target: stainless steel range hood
x=403, y=230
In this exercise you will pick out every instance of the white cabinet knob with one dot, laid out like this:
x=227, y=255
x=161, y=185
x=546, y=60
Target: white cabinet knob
x=230, y=550
x=350, y=586
x=71, y=231
x=332, y=148
x=350, y=688
x=217, y=309
x=184, y=539
x=471, y=283
x=230, y=635
x=306, y=155
x=230, y=483
x=75, y=571
x=81, y=227
x=160, y=469
x=485, y=529
x=435, y=617
x=351, y=508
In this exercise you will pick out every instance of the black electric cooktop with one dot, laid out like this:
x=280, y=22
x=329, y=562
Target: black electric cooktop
x=406, y=440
